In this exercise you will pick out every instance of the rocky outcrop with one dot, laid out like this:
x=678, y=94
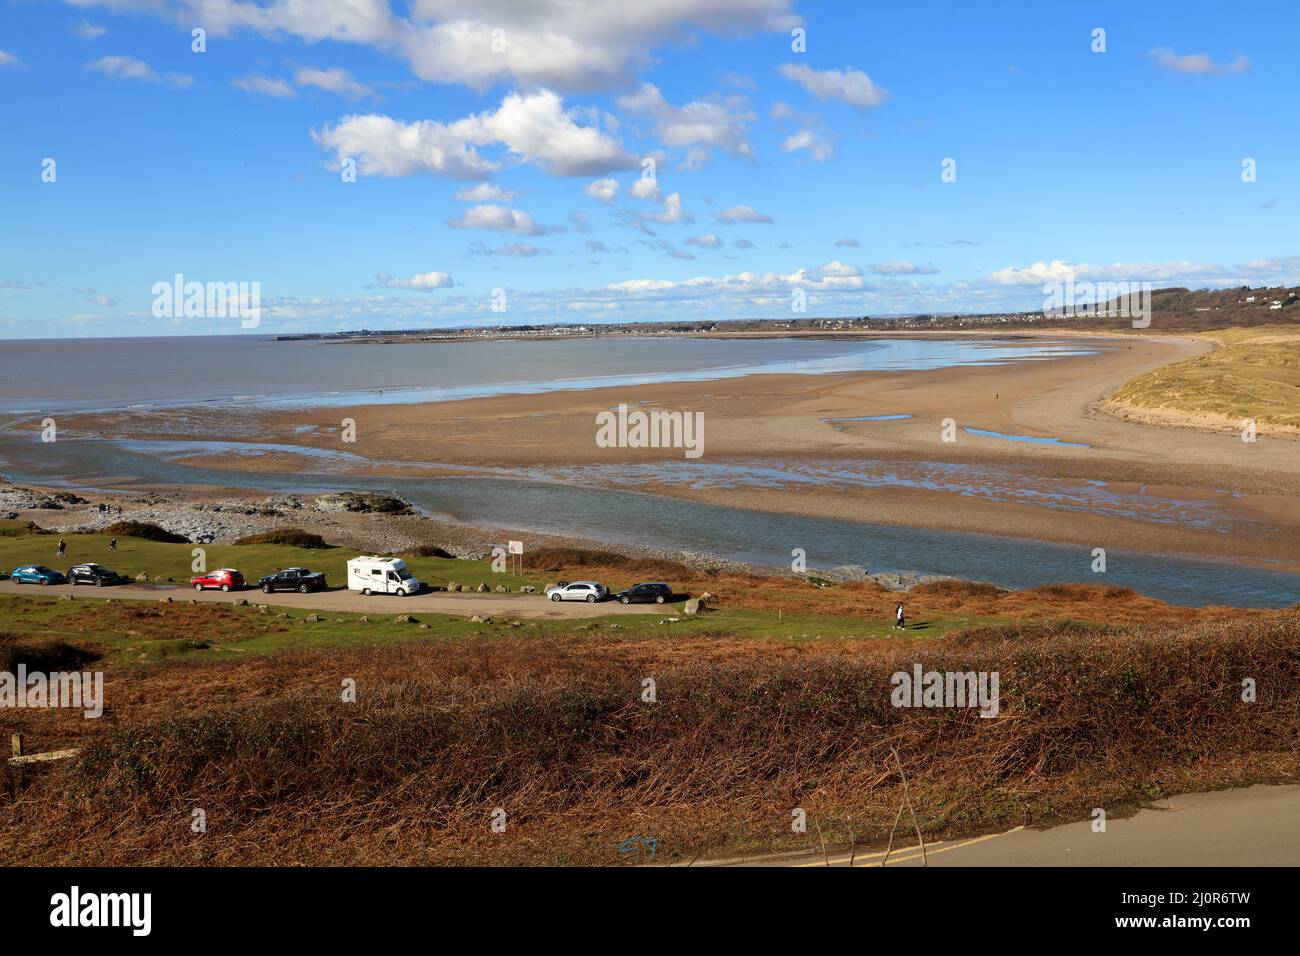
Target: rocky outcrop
x=365, y=503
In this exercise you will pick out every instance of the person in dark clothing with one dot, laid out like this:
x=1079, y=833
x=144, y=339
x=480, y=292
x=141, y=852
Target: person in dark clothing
x=112, y=544
x=899, y=618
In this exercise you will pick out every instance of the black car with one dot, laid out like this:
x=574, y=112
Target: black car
x=652, y=592
x=93, y=574
x=293, y=579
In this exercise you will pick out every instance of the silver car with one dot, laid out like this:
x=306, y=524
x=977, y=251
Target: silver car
x=589, y=591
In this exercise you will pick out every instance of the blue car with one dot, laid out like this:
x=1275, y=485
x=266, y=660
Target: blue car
x=36, y=574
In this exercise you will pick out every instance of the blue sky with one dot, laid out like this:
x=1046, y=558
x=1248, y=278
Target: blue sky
x=774, y=169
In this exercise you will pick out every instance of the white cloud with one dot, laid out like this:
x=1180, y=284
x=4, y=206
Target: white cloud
x=902, y=267
x=94, y=295
x=1058, y=270
x=647, y=189
x=848, y=85
x=571, y=45
x=741, y=214
x=848, y=243
x=484, y=192
x=697, y=157
x=715, y=122
x=8, y=59
x=88, y=31
x=498, y=218
x=129, y=68
x=673, y=212
x=264, y=86
x=518, y=250
x=1197, y=63
x=838, y=270
x=353, y=21
x=387, y=147
x=831, y=276
x=425, y=282
x=334, y=80
x=1272, y=264
x=818, y=144
x=602, y=190
x=535, y=128
x=706, y=241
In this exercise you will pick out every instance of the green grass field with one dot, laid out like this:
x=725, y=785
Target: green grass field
x=137, y=631
x=136, y=555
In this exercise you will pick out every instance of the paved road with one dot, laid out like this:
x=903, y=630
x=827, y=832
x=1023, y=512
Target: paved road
x=1255, y=826
x=437, y=602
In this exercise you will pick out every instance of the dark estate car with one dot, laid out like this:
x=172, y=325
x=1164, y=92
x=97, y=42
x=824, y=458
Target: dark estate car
x=293, y=579
x=93, y=574
x=655, y=592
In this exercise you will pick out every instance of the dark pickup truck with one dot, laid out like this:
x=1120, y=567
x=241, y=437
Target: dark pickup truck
x=293, y=579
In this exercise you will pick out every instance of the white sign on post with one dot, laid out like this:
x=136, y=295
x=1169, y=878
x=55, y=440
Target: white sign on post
x=516, y=547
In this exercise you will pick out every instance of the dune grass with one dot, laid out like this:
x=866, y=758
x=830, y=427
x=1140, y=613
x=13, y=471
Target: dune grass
x=1253, y=374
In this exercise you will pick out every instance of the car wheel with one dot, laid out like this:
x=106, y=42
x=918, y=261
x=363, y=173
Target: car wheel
x=591, y=599
x=198, y=587
x=624, y=600
x=225, y=587
x=99, y=582
x=303, y=589
x=365, y=592
x=45, y=582
x=266, y=589
x=659, y=599
x=555, y=597
x=401, y=592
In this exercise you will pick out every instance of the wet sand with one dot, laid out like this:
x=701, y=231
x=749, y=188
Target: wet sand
x=783, y=418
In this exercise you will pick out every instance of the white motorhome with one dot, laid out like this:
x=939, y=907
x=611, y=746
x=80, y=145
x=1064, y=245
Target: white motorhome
x=375, y=575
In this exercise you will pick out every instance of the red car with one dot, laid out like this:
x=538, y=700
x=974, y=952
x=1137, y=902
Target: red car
x=228, y=579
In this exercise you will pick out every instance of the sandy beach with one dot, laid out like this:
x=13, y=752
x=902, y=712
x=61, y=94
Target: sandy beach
x=1244, y=494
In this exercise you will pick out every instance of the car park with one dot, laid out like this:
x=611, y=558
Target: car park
x=36, y=574
x=589, y=591
x=648, y=592
x=293, y=579
x=226, y=579
x=95, y=574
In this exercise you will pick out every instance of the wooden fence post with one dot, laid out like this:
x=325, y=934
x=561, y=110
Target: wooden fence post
x=17, y=741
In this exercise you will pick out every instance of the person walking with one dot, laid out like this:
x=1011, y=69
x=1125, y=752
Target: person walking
x=899, y=618
x=112, y=544
x=63, y=547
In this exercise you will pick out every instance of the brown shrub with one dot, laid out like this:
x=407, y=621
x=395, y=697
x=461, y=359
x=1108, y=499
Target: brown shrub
x=559, y=559
x=556, y=734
